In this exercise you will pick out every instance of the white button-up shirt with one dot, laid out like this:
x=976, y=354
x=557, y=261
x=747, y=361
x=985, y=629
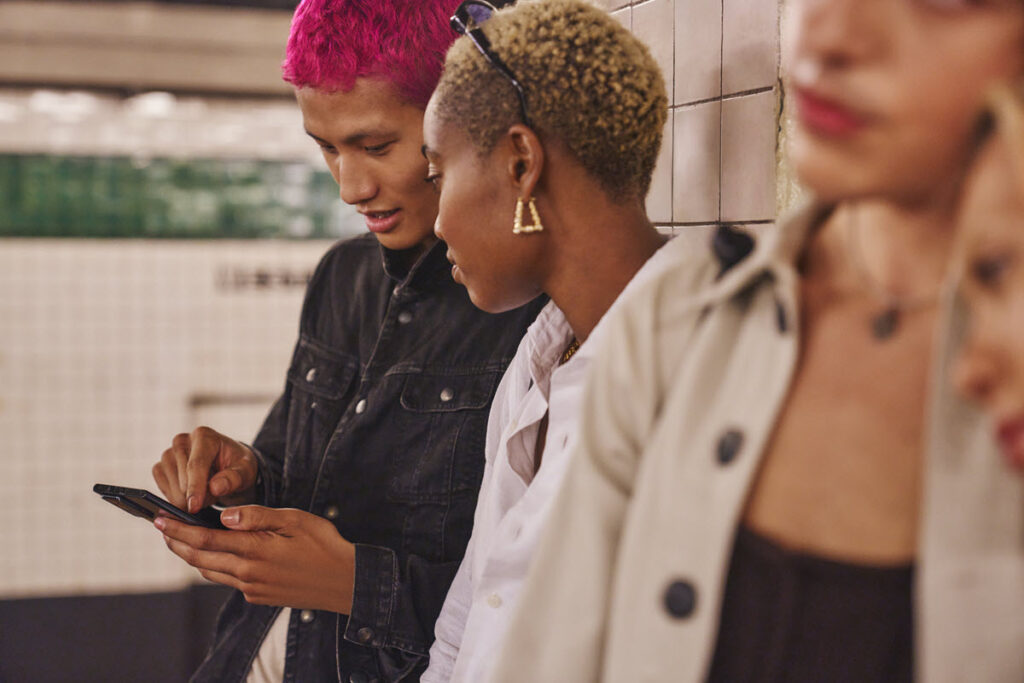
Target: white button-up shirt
x=514, y=500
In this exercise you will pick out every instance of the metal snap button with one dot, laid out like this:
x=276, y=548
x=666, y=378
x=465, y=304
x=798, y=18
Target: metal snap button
x=331, y=512
x=365, y=634
x=311, y=374
x=361, y=406
x=447, y=394
x=404, y=317
x=307, y=616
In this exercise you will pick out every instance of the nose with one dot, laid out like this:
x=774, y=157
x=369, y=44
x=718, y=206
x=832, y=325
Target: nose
x=835, y=33
x=975, y=375
x=356, y=182
x=437, y=228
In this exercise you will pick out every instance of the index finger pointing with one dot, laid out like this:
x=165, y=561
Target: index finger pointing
x=205, y=447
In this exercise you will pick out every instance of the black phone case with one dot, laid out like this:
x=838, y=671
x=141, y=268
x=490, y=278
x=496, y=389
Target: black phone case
x=142, y=503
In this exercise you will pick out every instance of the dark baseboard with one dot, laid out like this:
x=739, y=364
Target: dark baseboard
x=149, y=637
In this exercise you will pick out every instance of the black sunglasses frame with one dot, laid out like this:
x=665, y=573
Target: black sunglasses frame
x=461, y=22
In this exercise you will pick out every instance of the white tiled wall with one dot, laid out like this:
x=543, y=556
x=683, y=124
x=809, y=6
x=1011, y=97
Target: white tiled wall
x=108, y=349
x=720, y=60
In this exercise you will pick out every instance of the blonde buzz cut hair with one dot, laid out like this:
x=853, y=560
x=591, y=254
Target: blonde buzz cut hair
x=589, y=82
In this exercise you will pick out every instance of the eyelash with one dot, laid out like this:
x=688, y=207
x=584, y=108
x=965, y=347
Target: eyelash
x=378, y=149
x=435, y=180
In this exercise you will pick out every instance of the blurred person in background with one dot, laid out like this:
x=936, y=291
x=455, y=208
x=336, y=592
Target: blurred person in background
x=988, y=262
x=540, y=194
x=376, y=445
x=775, y=480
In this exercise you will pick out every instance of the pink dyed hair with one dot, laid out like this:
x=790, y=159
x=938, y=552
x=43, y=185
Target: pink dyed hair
x=334, y=42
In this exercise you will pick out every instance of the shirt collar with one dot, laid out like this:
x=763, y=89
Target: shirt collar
x=402, y=265
x=774, y=253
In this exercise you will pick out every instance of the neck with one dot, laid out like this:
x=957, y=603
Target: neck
x=902, y=251
x=598, y=253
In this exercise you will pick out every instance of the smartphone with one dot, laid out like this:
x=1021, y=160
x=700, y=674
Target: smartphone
x=142, y=503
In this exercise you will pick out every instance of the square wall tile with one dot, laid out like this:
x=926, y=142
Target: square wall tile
x=610, y=5
x=696, y=163
x=652, y=23
x=749, y=133
x=750, y=44
x=659, y=199
x=698, y=50
x=624, y=16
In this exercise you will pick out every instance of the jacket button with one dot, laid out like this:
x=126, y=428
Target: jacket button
x=331, y=512
x=358, y=677
x=447, y=394
x=365, y=634
x=397, y=290
x=306, y=616
x=680, y=599
x=405, y=317
x=361, y=406
x=729, y=445
x=311, y=374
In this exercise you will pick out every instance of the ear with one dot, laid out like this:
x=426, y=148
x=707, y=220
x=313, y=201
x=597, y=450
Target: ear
x=525, y=162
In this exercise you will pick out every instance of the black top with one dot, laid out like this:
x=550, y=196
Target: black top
x=380, y=429
x=789, y=617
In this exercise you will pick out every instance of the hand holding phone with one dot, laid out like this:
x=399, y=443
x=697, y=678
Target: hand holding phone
x=206, y=467
x=142, y=503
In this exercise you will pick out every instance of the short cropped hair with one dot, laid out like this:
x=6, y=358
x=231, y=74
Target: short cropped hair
x=334, y=42
x=588, y=82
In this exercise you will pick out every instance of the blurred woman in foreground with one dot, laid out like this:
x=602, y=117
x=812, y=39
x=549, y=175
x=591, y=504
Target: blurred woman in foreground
x=774, y=482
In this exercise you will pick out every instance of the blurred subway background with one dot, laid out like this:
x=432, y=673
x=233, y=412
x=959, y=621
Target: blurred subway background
x=161, y=209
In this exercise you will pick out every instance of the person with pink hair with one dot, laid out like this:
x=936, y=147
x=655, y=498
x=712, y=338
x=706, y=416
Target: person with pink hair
x=375, y=448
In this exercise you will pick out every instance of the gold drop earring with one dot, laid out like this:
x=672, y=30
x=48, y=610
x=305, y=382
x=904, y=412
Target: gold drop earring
x=517, y=224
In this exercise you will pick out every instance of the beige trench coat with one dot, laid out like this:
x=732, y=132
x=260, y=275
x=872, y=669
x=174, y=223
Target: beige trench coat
x=627, y=584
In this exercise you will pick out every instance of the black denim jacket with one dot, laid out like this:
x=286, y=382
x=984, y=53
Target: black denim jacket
x=381, y=429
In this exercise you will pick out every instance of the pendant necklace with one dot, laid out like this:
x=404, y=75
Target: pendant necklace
x=885, y=323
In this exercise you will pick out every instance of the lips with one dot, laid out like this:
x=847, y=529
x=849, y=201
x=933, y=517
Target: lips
x=825, y=116
x=455, y=266
x=1011, y=441
x=381, y=221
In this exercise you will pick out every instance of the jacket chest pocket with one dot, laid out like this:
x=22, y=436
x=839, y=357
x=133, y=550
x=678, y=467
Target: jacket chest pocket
x=444, y=425
x=318, y=381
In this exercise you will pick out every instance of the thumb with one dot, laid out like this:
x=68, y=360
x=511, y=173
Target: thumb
x=251, y=518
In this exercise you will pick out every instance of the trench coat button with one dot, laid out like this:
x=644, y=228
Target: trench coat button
x=361, y=406
x=358, y=677
x=331, y=512
x=680, y=599
x=311, y=374
x=447, y=394
x=404, y=317
x=306, y=616
x=729, y=445
x=365, y=634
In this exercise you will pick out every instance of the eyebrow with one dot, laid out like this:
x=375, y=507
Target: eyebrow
x=356, y=138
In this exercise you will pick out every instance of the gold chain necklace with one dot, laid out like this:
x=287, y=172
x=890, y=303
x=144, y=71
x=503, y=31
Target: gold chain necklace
x=570, y=351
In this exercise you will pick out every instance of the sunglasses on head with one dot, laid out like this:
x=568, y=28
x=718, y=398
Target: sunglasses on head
x=467, y=21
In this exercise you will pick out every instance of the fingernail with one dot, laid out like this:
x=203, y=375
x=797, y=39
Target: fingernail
x=160, y=523
x=229, y=516
x=193, y=503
